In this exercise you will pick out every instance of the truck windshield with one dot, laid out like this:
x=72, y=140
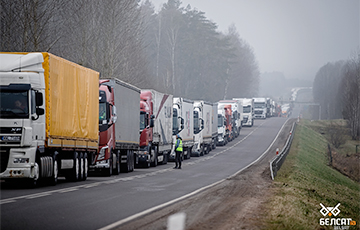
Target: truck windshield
x=102, y=113
x=247, y=109
x=260, y=105
x=175, y=122
x=14, y=104
x=143, y=122
x=220, y=120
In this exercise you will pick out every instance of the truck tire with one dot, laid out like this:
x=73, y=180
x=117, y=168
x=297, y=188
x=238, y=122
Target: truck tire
x=189, y=152
x=128, y=162
x=81, y=166
x=166, y=158
x=132, y=161
x=117, y=163
x=32, y=182
x=73, y=174
x=86, y=166
x=155, y=162
x=109, y=171
x=126, y=167
x=54, y=178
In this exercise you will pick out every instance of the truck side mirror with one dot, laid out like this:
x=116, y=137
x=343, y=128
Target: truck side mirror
x=152, y=121
x=39, y=99
x=114, y=116
x=40, y=111
x=182, y=123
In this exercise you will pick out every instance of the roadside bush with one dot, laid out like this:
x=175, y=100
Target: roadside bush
x=337, y=134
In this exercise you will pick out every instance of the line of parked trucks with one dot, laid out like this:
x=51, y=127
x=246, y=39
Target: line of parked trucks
x=71, y=123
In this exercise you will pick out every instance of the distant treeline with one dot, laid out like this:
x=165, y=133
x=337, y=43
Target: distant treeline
x=337, y=89
x=176, y=50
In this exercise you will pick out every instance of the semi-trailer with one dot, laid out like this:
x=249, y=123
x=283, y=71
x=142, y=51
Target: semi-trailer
x=248, y=111
x=183, y=124
x=260, y=107
x=202, y=128
x=237, y=115
x=118, y=127
x=222, y=139
x=156, y=125
x=49, y=117
x=214, y=125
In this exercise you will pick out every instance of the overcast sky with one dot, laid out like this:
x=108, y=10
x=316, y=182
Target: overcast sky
x=295, y=37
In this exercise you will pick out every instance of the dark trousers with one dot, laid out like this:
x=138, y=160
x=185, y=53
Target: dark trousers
x=178, y=159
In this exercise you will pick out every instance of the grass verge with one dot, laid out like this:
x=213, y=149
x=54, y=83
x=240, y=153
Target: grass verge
x=304, y=181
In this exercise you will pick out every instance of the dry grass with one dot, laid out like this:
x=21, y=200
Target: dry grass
x=305, y=181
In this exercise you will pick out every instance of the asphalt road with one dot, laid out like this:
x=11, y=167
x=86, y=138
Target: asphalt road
x=99, y=202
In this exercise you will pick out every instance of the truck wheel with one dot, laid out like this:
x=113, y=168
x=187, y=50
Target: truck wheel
x=32, y=182
x=127, y=165
x=132, y=162
x=73, y=174
x=117, y=164
x=109, y=171
x=54, y=178
x=129, y=160
x=188, y=153
x=206, y=149
x=202, y=150
x=81, y=166
x=155, y=163
x=166, y=158
x=86, y=165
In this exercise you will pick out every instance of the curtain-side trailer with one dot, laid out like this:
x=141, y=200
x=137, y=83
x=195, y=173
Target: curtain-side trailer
x=55, y=131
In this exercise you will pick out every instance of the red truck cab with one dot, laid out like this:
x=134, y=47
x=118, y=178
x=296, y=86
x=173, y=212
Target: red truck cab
x=107, y=118
x=228, y=118
x=146, y=127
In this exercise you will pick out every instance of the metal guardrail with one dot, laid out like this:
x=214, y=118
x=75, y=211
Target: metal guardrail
x=278, y=160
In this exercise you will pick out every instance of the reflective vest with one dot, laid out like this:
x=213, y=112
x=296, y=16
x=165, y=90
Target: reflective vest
x=179, y=148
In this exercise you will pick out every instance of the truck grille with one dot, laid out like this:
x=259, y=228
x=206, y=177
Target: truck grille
x=10, y=136
x=10, y=130
x=258, y=112
x=4, y=158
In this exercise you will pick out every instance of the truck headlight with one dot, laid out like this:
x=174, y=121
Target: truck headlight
x=102, y=153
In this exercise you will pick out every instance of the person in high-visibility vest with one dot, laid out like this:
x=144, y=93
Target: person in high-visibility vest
x=178, y=152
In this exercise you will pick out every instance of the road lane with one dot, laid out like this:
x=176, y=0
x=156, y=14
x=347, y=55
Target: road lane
x=101, y=201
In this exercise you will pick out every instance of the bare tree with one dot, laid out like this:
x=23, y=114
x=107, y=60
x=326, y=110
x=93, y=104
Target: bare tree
x=25, y=24
x=350, y=88
x=325, y=86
